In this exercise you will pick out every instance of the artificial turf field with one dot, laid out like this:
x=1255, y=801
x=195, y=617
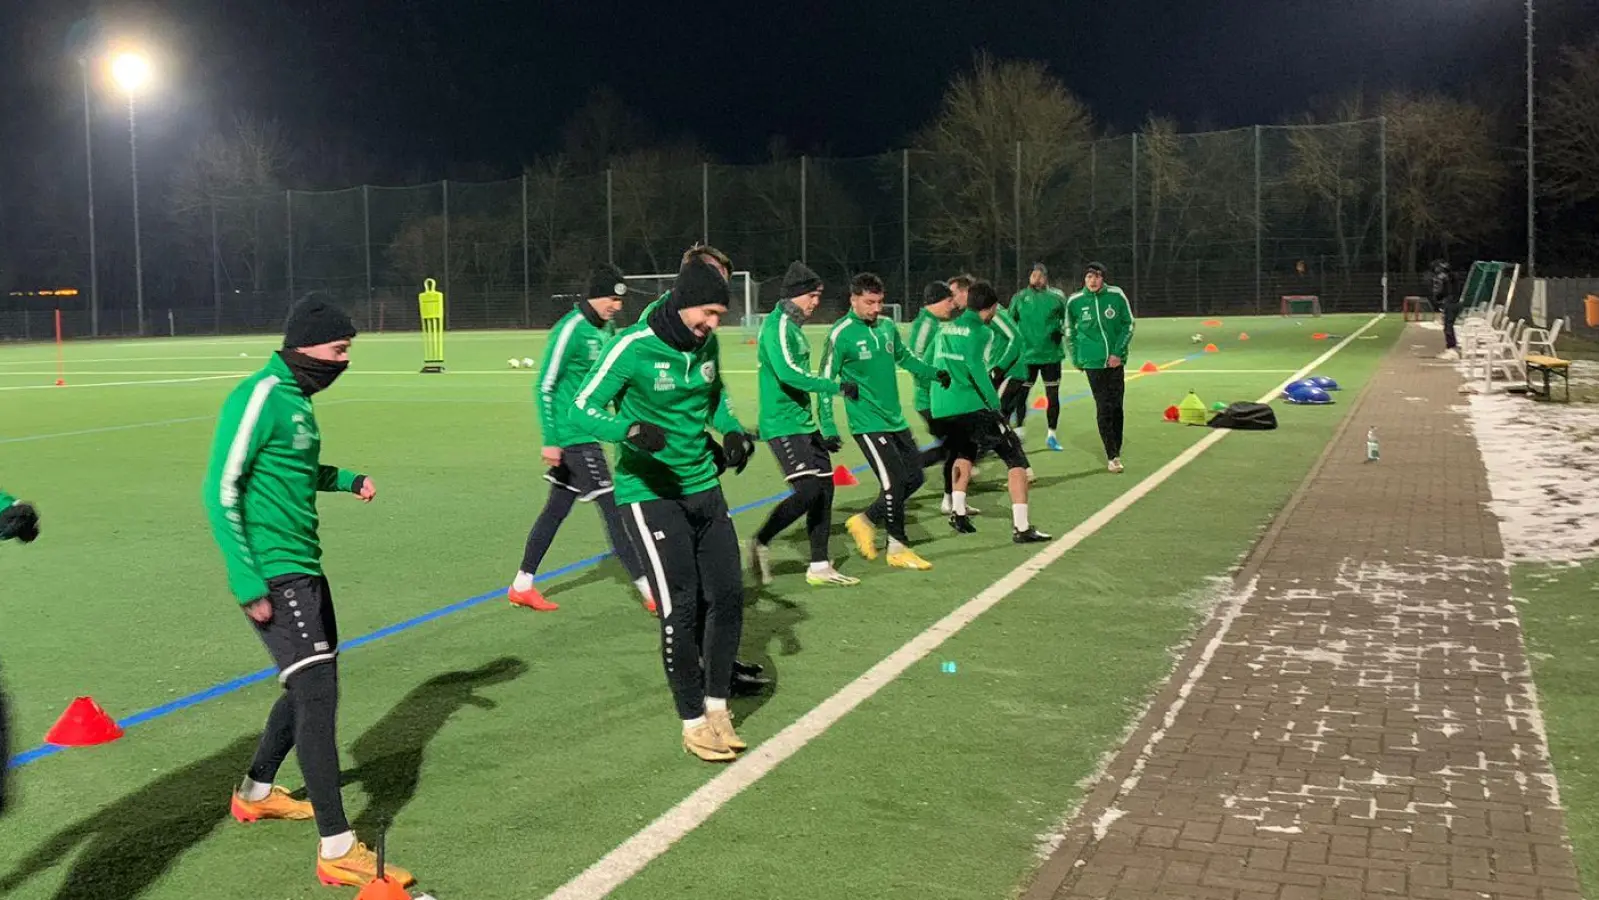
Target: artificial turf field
x=513, y=749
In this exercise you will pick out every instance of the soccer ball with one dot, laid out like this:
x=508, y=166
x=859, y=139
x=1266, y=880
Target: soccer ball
x=527, y=362
x=516, y=363
x=1196, y=338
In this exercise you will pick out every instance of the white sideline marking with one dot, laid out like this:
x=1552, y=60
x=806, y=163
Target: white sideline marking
x=621, y=864
x=94, y=384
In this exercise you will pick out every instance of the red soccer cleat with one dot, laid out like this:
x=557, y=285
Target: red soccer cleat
x=530, y=598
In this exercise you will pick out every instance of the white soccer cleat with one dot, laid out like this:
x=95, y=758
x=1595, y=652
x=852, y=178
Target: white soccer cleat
x=946, y=507
x=516, y=363
x=1115, y=465
x=527, y=362
x=1450, y=355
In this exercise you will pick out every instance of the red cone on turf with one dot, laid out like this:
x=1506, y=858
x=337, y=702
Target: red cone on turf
x=843, y=477
x=61, y=382
x=1041, y=403
x=385, y=888
x=1212, y=323
x=1211, y=348
x=1171, y=413
x=1243, y=335
x=84, y=724
x=1149, y=368
x=1319, y=336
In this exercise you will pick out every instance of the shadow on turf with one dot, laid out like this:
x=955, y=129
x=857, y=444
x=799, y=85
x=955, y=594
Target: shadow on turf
x=128, y=845
x=389, y=756
x=769, y=619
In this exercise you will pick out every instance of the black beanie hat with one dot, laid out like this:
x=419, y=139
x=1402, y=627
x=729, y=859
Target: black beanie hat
x=800, y=280
x=981, y=296
x=698, y=284
x=315, y=320
x=1095, y=267
x=936, y=292
x=606, y=280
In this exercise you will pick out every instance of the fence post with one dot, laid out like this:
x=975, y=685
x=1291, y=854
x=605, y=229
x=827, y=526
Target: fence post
x=804, y=245
x=446, y=244
x=1136, y=295
x=288, y=214
x=1257, y=220
x=610, y=229
x=527, y=303
x=366, y=245
x=216, y=268
x=1018, y=192
x=905, y=214
x=705, y=202
x=1382, y=145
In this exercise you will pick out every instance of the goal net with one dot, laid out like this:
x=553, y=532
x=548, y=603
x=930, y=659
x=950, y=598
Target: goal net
x=1301, y=305
x=649, y=287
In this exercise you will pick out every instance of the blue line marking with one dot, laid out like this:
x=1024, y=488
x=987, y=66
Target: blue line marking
x=244, y=681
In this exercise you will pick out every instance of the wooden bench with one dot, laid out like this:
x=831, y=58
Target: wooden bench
x=1547, y=366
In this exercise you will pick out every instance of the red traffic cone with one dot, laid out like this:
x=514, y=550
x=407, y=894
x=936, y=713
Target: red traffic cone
x=1041, y=403
x=61, y=382
x=84, y=724
x=385, y=888
x=843, y=477
x=1212, y=323
x=1211, y=348
x=1149, y=368
x=1243, y=335
x=1171, y=413
x=1319, y=336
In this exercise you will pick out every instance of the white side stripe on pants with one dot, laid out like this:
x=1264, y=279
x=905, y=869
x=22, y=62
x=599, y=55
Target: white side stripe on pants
x=665, y=595
x=877, y=465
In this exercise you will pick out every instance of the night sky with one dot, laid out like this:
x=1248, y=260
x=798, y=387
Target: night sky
x=397, y=91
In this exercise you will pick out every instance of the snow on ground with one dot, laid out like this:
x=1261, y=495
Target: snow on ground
x=1543, y=472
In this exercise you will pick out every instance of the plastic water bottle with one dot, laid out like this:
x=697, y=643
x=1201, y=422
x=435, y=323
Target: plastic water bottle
x=1372, y=453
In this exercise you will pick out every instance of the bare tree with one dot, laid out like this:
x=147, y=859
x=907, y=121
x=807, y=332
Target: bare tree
x=966, y=172
x=1445, y=176
x=603, y=128
x=657, y=206
x=1334, y=168
x=1570, y=132
x=239, y=176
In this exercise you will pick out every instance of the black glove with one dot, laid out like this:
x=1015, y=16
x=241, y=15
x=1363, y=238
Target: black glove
x=942, y=377
x=20, y=521
x=831, y=443
x=738, y=449
x=1055, y=336
x=850, y=390
x=647, y=436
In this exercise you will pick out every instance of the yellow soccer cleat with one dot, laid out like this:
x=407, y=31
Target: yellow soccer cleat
x=277, y=805
x=830, y=576
x=721, y=721
x=908, y=559
x=357, y=868
x=703, y=741
x=865, y=534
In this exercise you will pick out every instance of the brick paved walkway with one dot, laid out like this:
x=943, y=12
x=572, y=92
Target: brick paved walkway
x=1359, y=721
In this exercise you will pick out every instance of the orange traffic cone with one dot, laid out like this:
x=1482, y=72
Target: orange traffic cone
x=384, y=887
x=1212, y=323
x=843, y=477
x=1211, y=348
x=84, y=724
x=1243, y=335
x=1319, y=336
x=1149, y=368
x=61, y=382
x=1041, y=403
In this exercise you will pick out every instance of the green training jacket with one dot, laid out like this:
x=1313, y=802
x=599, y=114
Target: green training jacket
x=786, y=382
x=1040, y=319
x=1004, y=348
x=923, y=328
x=262, y=480
x=1100, y=325
x=959, y=348
x=648, y=380
x=871, y=356
x=573, y=349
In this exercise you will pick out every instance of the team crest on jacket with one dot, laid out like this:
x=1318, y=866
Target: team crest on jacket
x=1110, y=313
x=708, y=371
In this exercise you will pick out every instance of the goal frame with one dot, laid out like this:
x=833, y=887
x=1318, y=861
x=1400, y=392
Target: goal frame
x=1314, y=299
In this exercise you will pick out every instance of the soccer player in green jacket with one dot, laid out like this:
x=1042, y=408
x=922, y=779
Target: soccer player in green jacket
x=664, y=378
x=938, y=306
x=260, y=494
x=789, y=428
x=577, y=470
x=1100, y=330
x=1040, y=314
x=19, y=521
x=968, y=408
x=865, y=348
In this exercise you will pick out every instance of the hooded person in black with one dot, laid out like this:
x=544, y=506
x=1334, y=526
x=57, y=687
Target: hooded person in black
x=1446, y=298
